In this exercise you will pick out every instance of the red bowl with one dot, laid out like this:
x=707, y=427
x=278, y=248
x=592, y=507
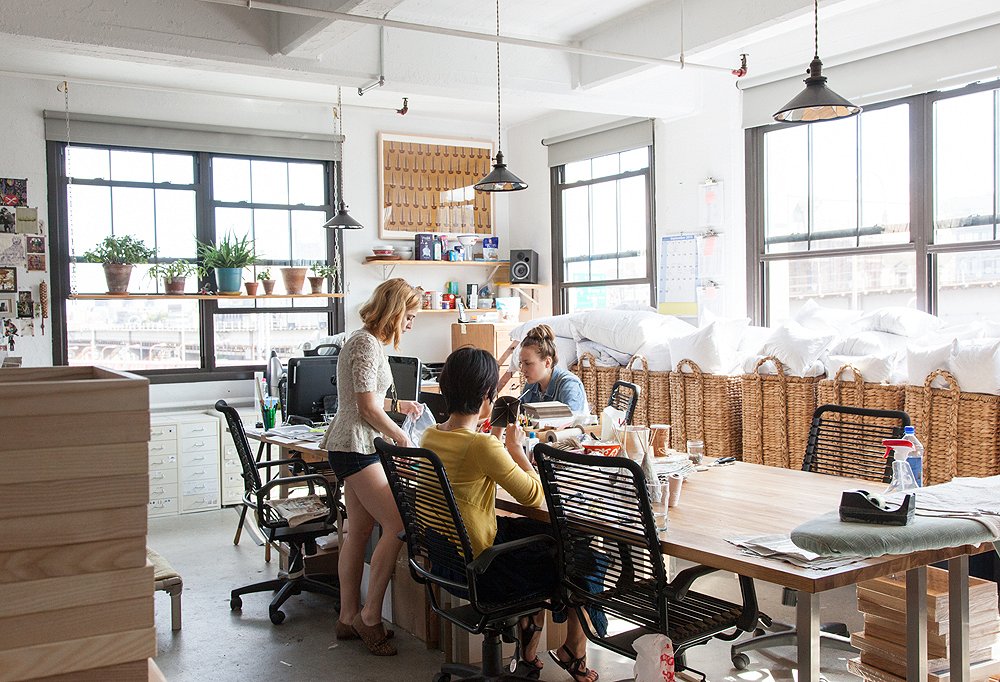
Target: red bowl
x=605, y=449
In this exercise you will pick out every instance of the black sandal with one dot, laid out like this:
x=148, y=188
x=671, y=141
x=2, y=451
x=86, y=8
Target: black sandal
x=525, y=634
x=576, y=667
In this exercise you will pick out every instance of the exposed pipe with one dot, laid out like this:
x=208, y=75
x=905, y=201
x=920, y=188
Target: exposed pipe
x=380, y=81
x=458, y=33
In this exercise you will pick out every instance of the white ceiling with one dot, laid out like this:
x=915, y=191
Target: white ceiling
x=204, y=46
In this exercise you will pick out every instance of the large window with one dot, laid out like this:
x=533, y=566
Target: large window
x=172, y=201
x=896, y=206
x=602, y=231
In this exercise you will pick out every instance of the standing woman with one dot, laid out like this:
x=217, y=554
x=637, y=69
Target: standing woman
x=545, y=380
x=363, y=377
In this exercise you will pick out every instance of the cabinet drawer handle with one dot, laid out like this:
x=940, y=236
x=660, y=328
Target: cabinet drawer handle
x=157, y=476
x=198, y=459
x=158, y=447
x=198, y=428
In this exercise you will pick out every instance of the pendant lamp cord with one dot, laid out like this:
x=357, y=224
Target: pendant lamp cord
x=338, y=116
x=498, y=76
x=64, y=88
x=816, y=29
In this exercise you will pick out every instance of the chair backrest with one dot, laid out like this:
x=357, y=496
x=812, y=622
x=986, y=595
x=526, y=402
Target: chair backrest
x=847, y=441
x=251, y=476
x=624, y=396
x=436, y=540
x=609, y=555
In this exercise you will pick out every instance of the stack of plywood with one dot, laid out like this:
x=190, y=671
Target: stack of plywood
x=883, y=641
x=77, y=592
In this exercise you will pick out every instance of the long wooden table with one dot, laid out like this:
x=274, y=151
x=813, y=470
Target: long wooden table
x=752, y=499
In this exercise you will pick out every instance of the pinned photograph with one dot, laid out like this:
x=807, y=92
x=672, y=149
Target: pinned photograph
x=26, y=220
x=7, y=220
x=36, y=244
x=6, y=306
x=14, y=192
x=36, y=262
x=25, y=306
x=8, y=279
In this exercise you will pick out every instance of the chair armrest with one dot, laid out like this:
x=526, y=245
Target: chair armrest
x=490, y=554
x=680, y=585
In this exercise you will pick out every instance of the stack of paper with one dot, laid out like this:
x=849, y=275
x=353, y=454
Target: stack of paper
x=781, y=547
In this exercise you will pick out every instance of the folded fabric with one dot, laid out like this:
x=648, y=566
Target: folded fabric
x=781, y=547
x=605, y=356
x=626, y=330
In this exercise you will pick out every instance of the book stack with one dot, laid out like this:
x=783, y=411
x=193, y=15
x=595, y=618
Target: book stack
x=551, y=414
x=883, y=641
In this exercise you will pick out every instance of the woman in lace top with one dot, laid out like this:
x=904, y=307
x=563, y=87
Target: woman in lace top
x=363, y=377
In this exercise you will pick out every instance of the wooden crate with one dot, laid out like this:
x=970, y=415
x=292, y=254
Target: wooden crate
x=78, y=591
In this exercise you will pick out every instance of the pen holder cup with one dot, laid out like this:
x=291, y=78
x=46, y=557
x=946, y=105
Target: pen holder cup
x=270, y=414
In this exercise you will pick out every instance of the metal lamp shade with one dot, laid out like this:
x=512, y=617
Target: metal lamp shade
x=500, y=179
x=343, y=220
x=817, y=102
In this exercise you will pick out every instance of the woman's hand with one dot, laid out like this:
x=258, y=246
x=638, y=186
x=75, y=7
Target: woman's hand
x=513, y=436
x=411, y=408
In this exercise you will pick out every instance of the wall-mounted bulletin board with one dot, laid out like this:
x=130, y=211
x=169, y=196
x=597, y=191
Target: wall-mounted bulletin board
x=425, y=185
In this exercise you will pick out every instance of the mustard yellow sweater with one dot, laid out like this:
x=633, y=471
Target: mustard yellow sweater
x=476, y=463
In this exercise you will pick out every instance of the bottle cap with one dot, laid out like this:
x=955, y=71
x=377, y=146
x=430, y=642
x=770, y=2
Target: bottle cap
x=909, y=429
x=531, y=434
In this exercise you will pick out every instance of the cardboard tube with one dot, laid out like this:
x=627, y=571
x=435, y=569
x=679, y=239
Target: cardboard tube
x=563, y=434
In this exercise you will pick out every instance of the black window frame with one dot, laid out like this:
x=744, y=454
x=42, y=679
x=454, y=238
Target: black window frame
x=205, y=231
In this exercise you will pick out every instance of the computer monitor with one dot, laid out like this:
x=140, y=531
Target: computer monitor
x=312, y=387
x=406, y=376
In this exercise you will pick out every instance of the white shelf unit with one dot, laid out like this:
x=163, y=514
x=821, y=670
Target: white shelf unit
x=183, y=463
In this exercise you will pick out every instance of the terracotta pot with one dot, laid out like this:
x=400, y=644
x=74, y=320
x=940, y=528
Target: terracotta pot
x=251, y=288
x=175, y=285
x=117, y=276
x=294, y=278
x=268, y=286
x=317, y=284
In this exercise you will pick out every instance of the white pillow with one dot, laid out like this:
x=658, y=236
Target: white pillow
x=798, y=348
x=657, y=354
x=626, y=330
x=873, y=368
x=711, y=348
x=814, y=316
x=753, y=338
x=976, y=365
x=921, y=361
x=969, y=330
x=561, y=326
x=908, y=322
x=862, y=343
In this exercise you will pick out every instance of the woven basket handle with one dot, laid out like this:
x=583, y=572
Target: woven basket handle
x=699, y=382
x=779, y=366
x=947, y=376
x=782, y=419
x=692, y=365
x=954, y=397
x=589, y=357
x=640, y=358
x=859, y=385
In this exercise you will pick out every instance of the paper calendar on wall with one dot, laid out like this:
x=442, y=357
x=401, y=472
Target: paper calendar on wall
x=677, y=285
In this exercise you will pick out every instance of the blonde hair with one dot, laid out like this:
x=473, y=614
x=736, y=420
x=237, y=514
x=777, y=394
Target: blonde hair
x=542, y=339
x=384, y=312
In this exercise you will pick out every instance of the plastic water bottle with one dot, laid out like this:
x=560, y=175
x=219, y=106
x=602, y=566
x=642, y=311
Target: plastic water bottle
x=530, y=443
x=916, y=457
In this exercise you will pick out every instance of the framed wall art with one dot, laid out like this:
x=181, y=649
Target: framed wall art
x=426, y=185
x=7, y=306
x=8, y=280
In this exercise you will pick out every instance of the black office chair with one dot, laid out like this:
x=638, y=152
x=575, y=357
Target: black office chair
x=843, y=441
x=606, y=535
x=624, y=396
x=301, y=539
x=438, y=545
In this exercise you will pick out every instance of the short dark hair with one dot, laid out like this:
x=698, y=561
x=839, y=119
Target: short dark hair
x=469, y=375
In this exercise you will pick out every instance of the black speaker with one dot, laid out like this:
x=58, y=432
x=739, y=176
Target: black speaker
x=523, y=266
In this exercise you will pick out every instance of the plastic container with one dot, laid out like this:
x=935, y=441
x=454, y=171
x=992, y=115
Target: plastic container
x=902, y=475
x=916, y=458
x=530, y=443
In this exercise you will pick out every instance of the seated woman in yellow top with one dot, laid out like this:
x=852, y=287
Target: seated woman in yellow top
x=476, y=463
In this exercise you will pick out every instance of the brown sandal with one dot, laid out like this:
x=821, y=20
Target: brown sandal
x=576, y=667
x=346, y=631
x=375, y=637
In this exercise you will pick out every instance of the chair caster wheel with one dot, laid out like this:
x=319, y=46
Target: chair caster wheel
x=278, y=617
x=741, y=661
x=235, y=604
x=441, y=677
x=759, y=632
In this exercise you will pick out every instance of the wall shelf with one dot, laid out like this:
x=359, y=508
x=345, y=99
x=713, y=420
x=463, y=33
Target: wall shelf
x=389, y=265
x=190, y=297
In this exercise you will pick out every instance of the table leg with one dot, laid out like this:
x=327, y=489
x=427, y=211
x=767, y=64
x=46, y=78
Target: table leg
x=807, y=636
x=916, y=624
x=958, y=618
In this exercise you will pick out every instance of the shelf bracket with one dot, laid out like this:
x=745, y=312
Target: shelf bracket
x=496, y=268
x=524, y=293
x=387, y=271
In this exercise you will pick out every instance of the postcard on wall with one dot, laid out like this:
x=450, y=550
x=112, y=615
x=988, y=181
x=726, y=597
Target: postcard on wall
x=25, y=306
x=12, y=249
x=36, y=262
x=36, y=243
x=25, y=220
x=8, y=279
x=6, y=306
x=8, y=221
x=14, y=191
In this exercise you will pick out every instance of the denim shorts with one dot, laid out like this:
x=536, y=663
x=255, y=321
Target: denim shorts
x=346, y=464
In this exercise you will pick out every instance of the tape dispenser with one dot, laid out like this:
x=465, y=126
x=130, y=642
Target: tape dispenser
x=861, y=506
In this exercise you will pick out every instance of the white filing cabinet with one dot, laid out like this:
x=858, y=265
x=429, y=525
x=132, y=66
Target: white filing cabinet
x=183, y=463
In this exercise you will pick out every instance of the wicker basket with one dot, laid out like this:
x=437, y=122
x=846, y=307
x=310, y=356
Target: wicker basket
x=659, y=398
x=960, y=431
x=859, y=393
x=597, y=380
x=777, y=414
x=705, y=407
x=639, y=377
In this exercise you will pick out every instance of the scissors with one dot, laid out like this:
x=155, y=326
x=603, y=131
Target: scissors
x=723, y=461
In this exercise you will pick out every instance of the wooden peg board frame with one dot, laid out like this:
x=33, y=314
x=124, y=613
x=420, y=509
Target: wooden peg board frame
x=426, y=185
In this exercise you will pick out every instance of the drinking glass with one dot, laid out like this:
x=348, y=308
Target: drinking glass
x=659, y=495
x=696, y=451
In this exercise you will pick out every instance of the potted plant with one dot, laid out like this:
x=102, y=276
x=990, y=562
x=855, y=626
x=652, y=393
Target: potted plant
x=264, y=277
x=174, y=275
x=323, y=271
x=293, y=277
x=228, y=258
x=119, y=255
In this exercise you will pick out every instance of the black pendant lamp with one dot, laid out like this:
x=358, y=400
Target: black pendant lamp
x=500, y=179
x=343, y=219
x=817, y=102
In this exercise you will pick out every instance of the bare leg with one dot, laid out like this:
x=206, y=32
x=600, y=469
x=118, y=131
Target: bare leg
x=350, y=564
x=576, y=644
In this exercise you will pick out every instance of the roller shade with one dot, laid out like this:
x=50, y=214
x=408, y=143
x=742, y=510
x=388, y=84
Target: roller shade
x=593, y=142
x=189, y=137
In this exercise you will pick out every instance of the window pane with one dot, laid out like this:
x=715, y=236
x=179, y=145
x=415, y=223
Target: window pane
x=885, y=176
x=635, y=159
x=88, y=278
x=577, y=171
x=235, y=221
x=88, y=163
x=132, y=213
x=835, y=184
x=605, y=296
x=308, y=236
x=133, y=335
x=249, y=339
x=177, y=169
x=269, y=182
x=176, y=218
x=969, y=286
x=230, y=179
x=604, y=218
x=605, y=165
x=633, y=226
x=131, y=166
x=306, y=184
x=964, y=180
x=576, y=232
x=852, y=282
x=271, y=234
x=786, y=187
x=89, y=216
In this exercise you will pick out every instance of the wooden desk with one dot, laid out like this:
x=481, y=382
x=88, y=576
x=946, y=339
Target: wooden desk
x=752, y=499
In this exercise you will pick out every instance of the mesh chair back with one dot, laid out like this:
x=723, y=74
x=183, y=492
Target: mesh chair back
x=436, y=539
x=251, y=476
x=847, y=441
x=624, y=396
x=609, y=555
